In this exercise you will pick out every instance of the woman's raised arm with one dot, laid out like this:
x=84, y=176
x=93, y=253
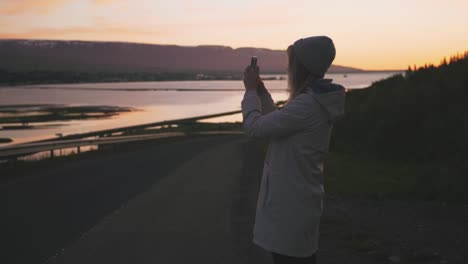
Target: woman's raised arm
x=291, y=118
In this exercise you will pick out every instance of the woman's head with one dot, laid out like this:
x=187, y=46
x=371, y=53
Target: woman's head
x=308, y=58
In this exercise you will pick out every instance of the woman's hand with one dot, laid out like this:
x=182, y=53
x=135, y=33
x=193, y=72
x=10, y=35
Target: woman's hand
x=251, y=78
x=261, y=89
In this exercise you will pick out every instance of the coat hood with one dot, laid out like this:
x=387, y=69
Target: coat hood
x=329, y=95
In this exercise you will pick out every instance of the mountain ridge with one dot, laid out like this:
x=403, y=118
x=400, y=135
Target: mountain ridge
x=113, y=56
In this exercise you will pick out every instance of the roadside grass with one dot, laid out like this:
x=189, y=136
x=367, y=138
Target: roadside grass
x=369, y=177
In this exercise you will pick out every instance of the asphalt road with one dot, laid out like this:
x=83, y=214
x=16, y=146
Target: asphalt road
x=51, y=209
x=202, y=212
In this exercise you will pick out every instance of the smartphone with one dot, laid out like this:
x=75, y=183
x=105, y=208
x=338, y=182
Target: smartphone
x=253, y=62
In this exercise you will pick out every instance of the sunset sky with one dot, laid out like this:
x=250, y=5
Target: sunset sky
x=368, y=34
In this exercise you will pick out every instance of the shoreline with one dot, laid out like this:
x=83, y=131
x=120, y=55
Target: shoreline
x=239, y=78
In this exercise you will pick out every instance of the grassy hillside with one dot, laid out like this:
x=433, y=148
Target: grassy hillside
x=418, y=116
x=405, y=136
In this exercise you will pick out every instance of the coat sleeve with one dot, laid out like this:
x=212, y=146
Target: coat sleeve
x=291, y=118
x=267, y=103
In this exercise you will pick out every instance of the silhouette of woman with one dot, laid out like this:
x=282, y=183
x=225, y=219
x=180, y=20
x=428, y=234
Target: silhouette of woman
x=290, y=199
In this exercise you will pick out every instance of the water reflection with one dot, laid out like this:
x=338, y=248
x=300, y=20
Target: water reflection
x=156, y=105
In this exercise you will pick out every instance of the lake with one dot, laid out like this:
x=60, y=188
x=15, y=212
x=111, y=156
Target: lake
x=153, y=101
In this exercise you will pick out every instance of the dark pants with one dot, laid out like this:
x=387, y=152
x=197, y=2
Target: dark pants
x=282, y=259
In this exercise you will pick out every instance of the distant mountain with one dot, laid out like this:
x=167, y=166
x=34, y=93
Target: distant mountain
x=87, y=56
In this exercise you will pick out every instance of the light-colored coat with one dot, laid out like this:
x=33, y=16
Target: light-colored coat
x=290, y=200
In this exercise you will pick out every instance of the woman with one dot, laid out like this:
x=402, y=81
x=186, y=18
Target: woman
x=290, y=200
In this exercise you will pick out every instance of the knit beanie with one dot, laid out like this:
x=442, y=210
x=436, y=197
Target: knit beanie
x=315, y=53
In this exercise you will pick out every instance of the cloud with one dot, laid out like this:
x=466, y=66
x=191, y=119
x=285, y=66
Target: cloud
x=101, y=29
x=15, y=7
x=116, y=32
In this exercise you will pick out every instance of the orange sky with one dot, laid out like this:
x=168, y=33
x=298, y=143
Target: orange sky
x=367, y=34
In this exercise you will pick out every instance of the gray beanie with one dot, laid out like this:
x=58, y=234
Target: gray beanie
x=315, y=53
